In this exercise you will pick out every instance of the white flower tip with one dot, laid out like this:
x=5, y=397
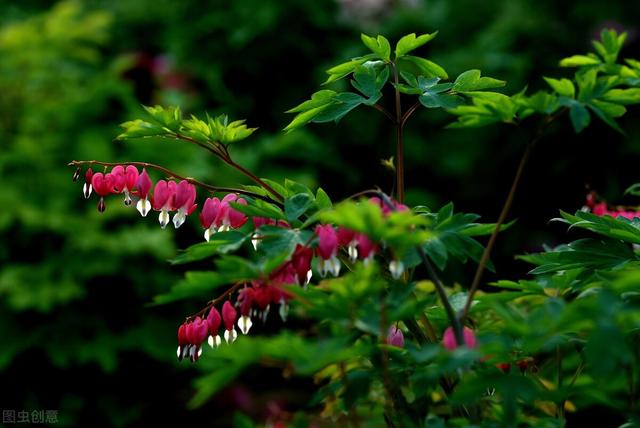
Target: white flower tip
x=396, y=268
x=309, y=275
x=86, y=190
x=334, y=266
x=178, y=219
x=255, y=241
x=244, y=323
x=284, y=310
x=143, y=206
x=163, y=218
x=353, y=253
x=230, y=336
x=179, y=352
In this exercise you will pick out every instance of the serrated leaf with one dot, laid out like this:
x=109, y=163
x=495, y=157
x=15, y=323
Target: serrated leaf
x=623, y=96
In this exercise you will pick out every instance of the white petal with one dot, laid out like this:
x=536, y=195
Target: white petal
x=163, y=218
x=179, y=218
x=334, y=266
x=199, y=351
x=284, y=310
x=255, y=241
x=323, y=267
x=396, y=268
x=309, y=275
x=353, y=252
x=230, y=335
x=86, y=189
x=224, y=228
x=209, y=233
x=265, y=313
x=244, y=323
x=210, y=341
x=179, y=352
x=127, y=198
x=143, y=206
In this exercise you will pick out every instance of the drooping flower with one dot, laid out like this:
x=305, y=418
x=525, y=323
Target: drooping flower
x=229, y=315
x=103, y=185
x=395, y=337
x=245, y=299
x=366, y=248
x=191, y=335
x=449, y=338
x=348, y=238
x=143, y=185
x=124, y=180
x=184, y=202
x=327, y=250
x=87, y=187
x=396, y=268
x=218, y=216
x=301, y=263
x=162, y=200
x=214, y=320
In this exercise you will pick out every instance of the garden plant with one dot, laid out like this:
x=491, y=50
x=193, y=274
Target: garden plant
x=355, y=280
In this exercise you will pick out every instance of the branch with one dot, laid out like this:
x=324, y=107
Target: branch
x=384, y=111
x=171, y=174
x=505, y=210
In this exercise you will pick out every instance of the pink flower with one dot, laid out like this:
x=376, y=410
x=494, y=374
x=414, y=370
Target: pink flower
x=214, y=320
x=347, y=238
x=229, y=315
x=449, y=338
x=386, y=209
x=143, y=185
x=162, y=200
x=103, y=185
x=190, y=338
x=395, y=337
x=183, y=202
x=301, y=262
x=87, y=187
x=219, y=216
x=366, y=248
x=124, y=180
x=327, y=250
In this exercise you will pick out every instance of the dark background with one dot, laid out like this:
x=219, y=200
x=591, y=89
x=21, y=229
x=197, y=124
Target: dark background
x=75, y=333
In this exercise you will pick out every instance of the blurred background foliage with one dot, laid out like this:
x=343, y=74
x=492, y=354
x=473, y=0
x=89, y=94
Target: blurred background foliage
x=76, y=335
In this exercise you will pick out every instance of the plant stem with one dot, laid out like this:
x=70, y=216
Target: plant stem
x=505, y=211
x=222, y=152
x=384, y=111
x=171, y=174
x=399, y=140
x=217, y=300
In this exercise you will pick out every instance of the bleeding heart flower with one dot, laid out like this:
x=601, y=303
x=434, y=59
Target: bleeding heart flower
x=229, y=315
x=143, y=185
x=395, y=337
x=183, y=202
x=103, y=185
x=124, y=180
x=327, y=250
x=87, y=187
x=449, y=338
x=162, y=200
x=214, y=320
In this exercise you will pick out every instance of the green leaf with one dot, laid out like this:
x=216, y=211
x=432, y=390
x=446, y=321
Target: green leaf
x=563, y=87
x=410, y=42
x=219, y=243
x=341, y=70
x=434, y=100
x=297, y=205
x=420, y=66
x=310, y=109
x=378, y=45
x=623, y=96
x=322, y=199
x=579, y=117
x=140, y=129
x=471, y=81
x=579, y=61
x=341, y=105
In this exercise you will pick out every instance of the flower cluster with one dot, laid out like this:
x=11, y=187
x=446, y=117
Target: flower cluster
x=168, y=196
x=602, y=209
x=192, y=334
